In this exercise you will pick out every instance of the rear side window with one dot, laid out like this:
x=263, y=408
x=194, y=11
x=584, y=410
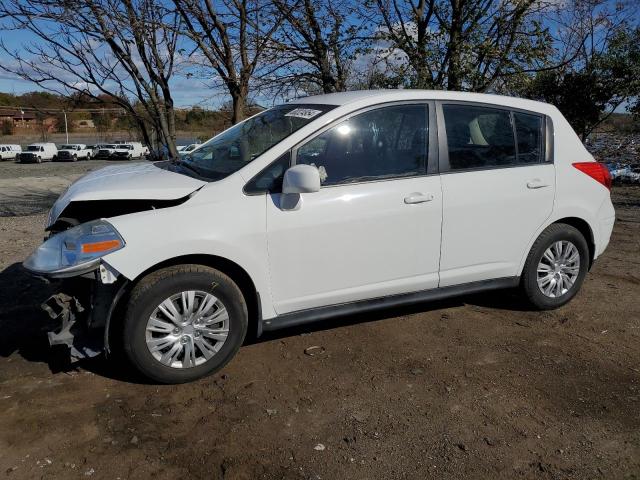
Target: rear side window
x=529, y=135
x=479, y=137
x=388, y=142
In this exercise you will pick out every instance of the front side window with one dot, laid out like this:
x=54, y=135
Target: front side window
x=388, y=142
x=479, y=137
x=241, y=144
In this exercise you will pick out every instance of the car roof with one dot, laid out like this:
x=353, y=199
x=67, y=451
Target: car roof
x=372, y=97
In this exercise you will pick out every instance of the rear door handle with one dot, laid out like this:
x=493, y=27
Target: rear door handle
x=418, y=197
x=536, y=183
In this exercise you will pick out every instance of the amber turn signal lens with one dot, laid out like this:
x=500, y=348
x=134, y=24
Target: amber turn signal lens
x=97, y=247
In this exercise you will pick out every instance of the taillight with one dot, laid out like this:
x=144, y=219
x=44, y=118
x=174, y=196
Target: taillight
x=597, y=171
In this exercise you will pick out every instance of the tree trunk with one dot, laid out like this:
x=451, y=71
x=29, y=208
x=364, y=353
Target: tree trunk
x=239, y=104
x=454, y=80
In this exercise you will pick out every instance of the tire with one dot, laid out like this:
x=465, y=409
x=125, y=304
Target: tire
x=75, y=158
x=160, y=287
x=39, y=160
x=563, y=284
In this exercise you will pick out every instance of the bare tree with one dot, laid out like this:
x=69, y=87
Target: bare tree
x=585, y=28
x=461, y=44
x=317, y=43
x=233, y=37
x=123, y=50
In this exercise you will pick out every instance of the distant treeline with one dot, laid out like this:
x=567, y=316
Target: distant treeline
x=108, y=116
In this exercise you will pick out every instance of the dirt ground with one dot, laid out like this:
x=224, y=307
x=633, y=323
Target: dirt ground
x=477, y=387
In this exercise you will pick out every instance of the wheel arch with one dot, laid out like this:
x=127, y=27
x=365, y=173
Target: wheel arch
x=234, y=271
x=578, y=222
x=585, y=229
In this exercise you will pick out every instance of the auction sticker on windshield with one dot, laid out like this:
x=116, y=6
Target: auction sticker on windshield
x=303, y=113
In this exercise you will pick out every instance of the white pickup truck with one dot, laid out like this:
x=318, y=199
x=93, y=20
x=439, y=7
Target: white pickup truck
x=105, y=151
x=73, y=152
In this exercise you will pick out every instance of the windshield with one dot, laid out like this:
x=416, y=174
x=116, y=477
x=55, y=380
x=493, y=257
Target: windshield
x=241, y=144
x=68, y=147
x=109, y=146
x=33, y=148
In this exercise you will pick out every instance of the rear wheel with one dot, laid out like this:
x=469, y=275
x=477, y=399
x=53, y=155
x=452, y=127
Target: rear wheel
x=555, y=267
x=183, y=323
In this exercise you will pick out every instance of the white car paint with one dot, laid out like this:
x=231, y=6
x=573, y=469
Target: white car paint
x=356, y=241
x=490, y=216
x=349, y=237
x=136, y=181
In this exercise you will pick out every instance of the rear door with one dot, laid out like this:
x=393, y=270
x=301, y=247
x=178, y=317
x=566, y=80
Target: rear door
x=498, y=186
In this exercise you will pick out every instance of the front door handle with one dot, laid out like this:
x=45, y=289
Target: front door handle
x=536, y=183
x=418, y=197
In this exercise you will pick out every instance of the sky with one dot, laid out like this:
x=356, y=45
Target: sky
x=187, y=92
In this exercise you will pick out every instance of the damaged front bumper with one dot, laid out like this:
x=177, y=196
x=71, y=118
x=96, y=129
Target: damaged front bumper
x=82, y=312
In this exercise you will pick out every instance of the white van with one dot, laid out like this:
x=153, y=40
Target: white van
x=37, y=153
x=128, y=150
x=9, y=152
x=326, y=206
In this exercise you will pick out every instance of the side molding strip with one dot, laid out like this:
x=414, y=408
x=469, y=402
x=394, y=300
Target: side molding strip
x=322, y=313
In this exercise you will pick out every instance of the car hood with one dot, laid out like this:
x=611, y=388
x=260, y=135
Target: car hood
x=137, y=181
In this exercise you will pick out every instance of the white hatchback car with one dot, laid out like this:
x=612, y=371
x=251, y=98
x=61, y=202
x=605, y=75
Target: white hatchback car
x=325, y=206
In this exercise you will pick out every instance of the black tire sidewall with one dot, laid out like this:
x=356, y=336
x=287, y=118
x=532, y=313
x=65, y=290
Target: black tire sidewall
x=552, y=234
x=142, y=306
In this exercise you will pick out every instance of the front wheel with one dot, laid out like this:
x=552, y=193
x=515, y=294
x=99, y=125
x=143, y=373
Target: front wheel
x=555, y=267
x=184, y=322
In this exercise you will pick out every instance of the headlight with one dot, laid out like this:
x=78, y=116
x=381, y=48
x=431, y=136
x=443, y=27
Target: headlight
x=75, y=251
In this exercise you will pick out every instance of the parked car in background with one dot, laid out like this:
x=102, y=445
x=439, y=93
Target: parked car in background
x=105, y=151
x=128, y=151
x=9, y=152
x=38, y=153
x=326, y=206
x=73, y=152
x=182, y=151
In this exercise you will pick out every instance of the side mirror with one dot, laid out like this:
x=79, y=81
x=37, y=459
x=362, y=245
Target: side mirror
x=301, y=179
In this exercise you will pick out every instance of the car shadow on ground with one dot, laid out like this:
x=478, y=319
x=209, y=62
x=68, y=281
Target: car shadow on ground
x=24, y=324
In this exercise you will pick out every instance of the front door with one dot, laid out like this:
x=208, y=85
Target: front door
x=373, y=229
